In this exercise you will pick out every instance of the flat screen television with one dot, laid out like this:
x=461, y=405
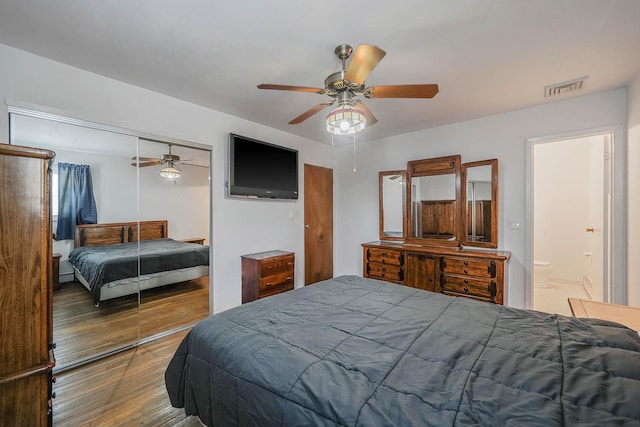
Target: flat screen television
x=258, y=169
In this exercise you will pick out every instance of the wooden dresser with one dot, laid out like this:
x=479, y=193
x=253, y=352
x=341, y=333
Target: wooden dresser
x=26, y=347
x=477, y=274
x=267, y=273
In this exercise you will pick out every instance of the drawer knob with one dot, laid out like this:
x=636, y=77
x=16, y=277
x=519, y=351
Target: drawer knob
x=465, y=271
x=466, y=263
x=466, y=282
x=269, y=284
x=288, y=279
x=466, y=289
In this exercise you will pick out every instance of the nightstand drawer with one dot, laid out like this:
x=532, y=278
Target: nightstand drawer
x=385, y=256
x=276, y=265
x=275, y=284
x=385, y=271
x=468, y=266
x=482, y=288
x=276, y=280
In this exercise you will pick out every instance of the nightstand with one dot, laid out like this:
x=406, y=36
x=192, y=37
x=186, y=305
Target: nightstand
x=266, y=273
x=625, y=315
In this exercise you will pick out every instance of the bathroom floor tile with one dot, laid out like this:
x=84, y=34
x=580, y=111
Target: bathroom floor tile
x=554, y=299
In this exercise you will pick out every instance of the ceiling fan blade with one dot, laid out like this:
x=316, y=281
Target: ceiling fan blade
x=287, y=87
x=153, y=162
x=145, y=159
x=364, y=61
x=371, y=119
x=404, y=91
x=193, y=164
x=310, y=112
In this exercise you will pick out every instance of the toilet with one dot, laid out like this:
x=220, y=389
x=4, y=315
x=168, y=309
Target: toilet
x=541, y=273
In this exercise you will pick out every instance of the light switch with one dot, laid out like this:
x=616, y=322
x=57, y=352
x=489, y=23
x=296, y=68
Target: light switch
x=515, y=223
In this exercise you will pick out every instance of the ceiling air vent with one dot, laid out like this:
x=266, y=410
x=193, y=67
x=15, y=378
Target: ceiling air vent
x=564, y=87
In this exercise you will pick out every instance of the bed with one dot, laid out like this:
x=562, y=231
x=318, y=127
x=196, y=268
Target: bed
x=353, y=351
x=105, y=258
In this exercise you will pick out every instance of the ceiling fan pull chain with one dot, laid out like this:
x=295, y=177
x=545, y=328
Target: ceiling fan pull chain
x=354, y=153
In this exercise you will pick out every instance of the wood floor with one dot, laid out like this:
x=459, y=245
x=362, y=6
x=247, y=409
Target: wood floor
x=81, y=330
x=125, y=389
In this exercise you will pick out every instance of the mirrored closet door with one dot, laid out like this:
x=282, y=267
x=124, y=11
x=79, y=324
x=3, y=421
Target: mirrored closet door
x=143, y=196
x=183, y=201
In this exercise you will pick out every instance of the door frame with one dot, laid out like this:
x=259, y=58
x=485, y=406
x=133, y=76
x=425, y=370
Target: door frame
x=617, y=236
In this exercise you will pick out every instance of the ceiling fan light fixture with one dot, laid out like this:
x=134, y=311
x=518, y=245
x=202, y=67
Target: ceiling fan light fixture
x=170, y=172
x=346, y=120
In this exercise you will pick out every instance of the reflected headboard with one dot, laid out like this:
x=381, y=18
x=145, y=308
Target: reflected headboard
x=119, y=232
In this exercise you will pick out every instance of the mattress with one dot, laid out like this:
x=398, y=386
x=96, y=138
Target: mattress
x=352, y=351
x=100, y=265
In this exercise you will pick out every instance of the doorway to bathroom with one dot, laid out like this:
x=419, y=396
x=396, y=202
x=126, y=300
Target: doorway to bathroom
x=571, y=221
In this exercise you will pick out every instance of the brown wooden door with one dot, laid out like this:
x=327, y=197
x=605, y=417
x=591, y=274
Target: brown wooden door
x=318, y=224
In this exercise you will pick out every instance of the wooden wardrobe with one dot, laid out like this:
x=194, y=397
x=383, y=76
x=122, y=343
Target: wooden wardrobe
x=26, y=347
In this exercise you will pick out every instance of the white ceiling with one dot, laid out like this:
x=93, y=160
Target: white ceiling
x=488, y=56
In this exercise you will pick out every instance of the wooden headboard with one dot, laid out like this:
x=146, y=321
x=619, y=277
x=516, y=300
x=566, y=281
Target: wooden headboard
x=119, y=232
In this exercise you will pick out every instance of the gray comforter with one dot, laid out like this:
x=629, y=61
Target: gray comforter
x=104, y=264
x=351, y=351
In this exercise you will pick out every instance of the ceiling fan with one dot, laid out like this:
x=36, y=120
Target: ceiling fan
x=349, y=82
x=169, y=161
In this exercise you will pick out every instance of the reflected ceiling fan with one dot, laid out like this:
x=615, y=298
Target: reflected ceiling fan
x=169, y=161
x=352, y=115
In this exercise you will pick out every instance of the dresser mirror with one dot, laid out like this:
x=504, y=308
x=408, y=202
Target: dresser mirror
x=480, y=195
x=433, y=204
x=392, y=191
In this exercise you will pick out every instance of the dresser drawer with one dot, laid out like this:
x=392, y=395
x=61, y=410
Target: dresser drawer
x=277, y=265
x=483, y=288
x=384, y=256
x=469, y=266
x=275, y=284
x=385, y=271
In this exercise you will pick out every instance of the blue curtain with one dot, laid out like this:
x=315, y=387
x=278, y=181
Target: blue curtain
x=76, y=203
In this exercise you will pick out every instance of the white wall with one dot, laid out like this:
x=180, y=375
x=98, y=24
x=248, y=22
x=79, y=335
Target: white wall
x=502, y=136
x=633, y=212
x=239, y=226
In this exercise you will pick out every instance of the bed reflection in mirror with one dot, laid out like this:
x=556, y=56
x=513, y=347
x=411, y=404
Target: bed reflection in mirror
x=87, y=324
